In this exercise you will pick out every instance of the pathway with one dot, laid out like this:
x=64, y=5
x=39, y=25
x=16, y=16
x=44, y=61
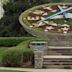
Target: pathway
x=36, y=70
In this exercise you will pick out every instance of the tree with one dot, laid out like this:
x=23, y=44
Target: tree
x=9, y=24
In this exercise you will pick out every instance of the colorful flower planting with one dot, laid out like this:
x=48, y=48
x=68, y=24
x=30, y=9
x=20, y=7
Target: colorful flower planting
x=56, y=24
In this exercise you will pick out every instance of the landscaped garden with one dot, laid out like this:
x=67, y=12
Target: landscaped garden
x=14, y=40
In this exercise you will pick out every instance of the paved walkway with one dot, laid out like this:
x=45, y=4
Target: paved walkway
x=36, y=70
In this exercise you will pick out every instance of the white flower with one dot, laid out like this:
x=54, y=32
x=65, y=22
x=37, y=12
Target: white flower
x=49, y=8
x=65, y=29
x=33, y=18
x=42, y=18
x=31, y=26
x=54, y=24
x=65, y=32
x=65, y=25
x=53, y=10
x=45, y=13
x=38, y=12
x=64, y=6
x=45, y=30
x=47, y=22
x=49, y=28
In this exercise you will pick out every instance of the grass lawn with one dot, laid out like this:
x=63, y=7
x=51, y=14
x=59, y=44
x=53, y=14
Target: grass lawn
x=10, y=71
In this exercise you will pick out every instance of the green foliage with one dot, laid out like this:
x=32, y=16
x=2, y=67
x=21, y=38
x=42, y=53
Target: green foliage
x=55, y=1
x=9, y=24
x=20, y=55
x=11, y=41
x=14, y=41
x=16, y=57
x=25, y=44
x=12, y=57
x=2, y=49
x=11, y=71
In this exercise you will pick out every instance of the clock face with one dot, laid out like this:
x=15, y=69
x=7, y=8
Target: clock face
x=55, y=18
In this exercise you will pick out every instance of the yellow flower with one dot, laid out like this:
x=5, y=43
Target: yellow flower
x=59, y=30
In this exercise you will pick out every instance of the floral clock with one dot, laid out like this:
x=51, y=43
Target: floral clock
x=49, y=18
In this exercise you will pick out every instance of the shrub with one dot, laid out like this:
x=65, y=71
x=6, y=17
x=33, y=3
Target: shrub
x=21, y=55
x=27, y=53
x=12, y=58
x=17, y=57
x=27, y=57
x=12, y=41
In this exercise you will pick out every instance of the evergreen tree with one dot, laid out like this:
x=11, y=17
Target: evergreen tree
x=9, y=24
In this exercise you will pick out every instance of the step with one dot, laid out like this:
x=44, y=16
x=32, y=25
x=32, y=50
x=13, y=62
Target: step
x=57, y=56
x=58, y=66
x=59, y=51
x=59, y=47
x=55, y=61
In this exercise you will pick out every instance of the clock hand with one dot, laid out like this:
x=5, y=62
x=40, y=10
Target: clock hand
x=65, y=14
x=55, y=14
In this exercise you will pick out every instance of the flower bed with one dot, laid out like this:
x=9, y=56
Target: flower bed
x=56, y=24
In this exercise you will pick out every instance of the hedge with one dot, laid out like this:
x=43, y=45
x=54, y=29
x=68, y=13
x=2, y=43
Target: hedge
x=17, y=57
x=21, y=55
x=12, y=57
x=12, y=41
